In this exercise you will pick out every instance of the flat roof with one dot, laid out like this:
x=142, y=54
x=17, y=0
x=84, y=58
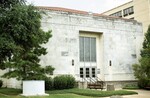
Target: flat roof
x=118, y=6
x=60, y=9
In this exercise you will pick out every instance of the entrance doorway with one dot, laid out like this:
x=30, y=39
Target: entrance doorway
x=88, y=72
x=90, y=55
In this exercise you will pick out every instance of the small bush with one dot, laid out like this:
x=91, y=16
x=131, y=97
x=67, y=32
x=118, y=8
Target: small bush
x=131, y=86
x=1, y=83
x=48, y=83
x=143, y=83
x=70, y=81
x=64, y=82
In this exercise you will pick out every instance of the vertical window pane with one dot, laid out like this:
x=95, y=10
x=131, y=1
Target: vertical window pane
x=87, y=49
x=81, y=72
x=87, y=72
x=93, y=49
x=93, y=72
x=81, y=41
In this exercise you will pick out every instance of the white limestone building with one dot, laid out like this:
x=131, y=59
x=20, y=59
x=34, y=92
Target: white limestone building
x=91, y=45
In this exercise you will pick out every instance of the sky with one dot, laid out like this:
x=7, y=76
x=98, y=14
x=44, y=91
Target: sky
x=96, y=6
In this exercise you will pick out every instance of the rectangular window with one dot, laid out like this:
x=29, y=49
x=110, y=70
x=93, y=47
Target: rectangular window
x=81, y=72
x=87, y=72
x=125, y=12
x=93, y=72
x=81, y=49
x=87, y=49
x=128, y=11
x=93, y=50
x=117, y=14
x=131, y=10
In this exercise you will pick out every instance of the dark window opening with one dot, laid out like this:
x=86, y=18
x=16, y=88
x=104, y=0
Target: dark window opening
x=81, y=72
x=128, y=11
x=87, y=72
x=117, y=14
x=110, y=63
x=93, y=72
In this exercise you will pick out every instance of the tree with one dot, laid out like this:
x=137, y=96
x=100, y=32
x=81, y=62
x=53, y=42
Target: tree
x=7, y=44
x=21, y=39
x=142, y=70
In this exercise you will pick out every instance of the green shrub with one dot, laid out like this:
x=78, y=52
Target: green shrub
x=142, y=70
x=131, y=86
x=64, y=82
x=70, y=81
x=1, y=83
x=60, y=82
x=143, y=83
x=48, y=83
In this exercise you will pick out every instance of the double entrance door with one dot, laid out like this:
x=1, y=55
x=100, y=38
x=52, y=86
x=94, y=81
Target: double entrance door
x=88, y=59
x=88, y=72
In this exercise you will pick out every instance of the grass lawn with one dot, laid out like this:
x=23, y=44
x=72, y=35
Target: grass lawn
x=92, y=93
x=63, y=96
x=68, y=93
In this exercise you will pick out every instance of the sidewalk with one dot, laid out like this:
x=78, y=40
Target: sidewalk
x=141, y=94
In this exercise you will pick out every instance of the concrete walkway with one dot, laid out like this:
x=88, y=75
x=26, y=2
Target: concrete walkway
x=141, y=94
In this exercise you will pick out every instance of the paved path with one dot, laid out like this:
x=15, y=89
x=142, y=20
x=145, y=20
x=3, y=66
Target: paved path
x=141, y=94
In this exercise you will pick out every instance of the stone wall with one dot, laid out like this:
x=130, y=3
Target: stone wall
x=120, y=41
x=121, y=44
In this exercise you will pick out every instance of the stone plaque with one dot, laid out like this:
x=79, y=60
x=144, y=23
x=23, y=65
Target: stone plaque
x=64, y=53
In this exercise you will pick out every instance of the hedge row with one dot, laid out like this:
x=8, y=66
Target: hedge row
x=60, y=82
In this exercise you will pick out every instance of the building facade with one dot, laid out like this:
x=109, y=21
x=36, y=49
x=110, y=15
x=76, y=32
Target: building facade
x=89, y=45
x=136, y=9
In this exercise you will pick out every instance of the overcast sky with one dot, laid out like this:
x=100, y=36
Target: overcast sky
x=96, y=6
